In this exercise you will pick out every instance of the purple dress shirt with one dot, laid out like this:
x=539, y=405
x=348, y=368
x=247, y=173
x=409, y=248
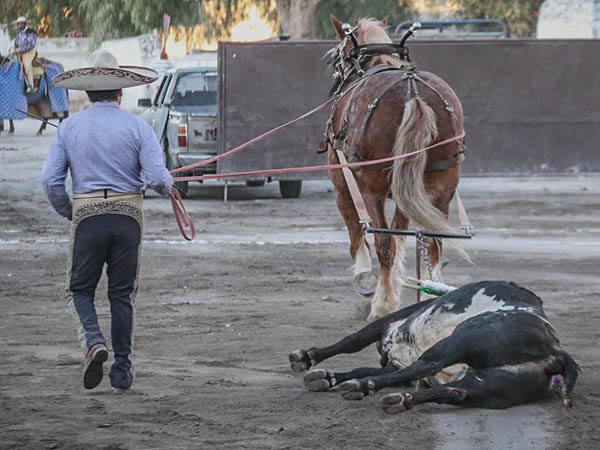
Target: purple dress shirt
x=104, y=147
x=26, y=40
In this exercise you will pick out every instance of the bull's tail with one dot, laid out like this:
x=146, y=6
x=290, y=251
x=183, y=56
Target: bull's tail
x=417, y=130
x=569, y=372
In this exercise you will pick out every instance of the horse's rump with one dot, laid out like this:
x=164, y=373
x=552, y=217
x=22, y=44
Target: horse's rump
x=392, y=113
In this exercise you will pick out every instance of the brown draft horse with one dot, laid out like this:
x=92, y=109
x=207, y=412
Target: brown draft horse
x=391, y=112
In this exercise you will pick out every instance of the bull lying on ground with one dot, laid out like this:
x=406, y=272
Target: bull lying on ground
x=486, y=344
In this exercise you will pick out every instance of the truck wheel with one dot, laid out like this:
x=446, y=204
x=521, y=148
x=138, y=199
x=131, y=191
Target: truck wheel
x=255, y=183
x=290, y=188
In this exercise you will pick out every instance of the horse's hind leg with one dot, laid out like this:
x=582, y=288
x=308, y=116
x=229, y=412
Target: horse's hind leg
x=11, y=129
x=387, y=295
x=441, y=186
x=359, y=247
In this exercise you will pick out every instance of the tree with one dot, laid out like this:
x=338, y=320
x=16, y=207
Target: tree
x=350, y=11
x=520, y=16
x=297, y=17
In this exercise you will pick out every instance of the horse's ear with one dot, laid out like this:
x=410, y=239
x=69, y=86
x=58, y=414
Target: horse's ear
x=337, y=23
x=385, y=19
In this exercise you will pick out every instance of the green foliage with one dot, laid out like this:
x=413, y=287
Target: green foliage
x=520, y=16
x=351, y=10
x=104, y=19
x=111, y=19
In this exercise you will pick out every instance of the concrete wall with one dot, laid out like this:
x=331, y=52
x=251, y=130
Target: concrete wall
x=569, y=19
x=5, y=42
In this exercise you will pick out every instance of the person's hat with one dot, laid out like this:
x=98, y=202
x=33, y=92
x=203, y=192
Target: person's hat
x=104, y=74
x=21, y=19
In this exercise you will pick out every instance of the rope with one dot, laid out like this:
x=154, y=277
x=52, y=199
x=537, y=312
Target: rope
x=313, y=168
x=184, y=220
x=241, y=147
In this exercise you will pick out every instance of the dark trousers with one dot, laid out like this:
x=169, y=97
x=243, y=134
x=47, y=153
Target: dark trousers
x=114, y=240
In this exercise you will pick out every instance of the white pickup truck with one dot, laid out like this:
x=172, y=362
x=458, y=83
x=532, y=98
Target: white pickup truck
x=183, y=115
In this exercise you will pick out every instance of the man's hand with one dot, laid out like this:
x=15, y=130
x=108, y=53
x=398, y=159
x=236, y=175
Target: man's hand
x=70, y=217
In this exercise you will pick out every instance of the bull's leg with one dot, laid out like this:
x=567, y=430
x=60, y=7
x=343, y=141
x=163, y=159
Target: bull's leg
x=493, y=387
x=302, y=360
x=359, y=247
x=323, y=379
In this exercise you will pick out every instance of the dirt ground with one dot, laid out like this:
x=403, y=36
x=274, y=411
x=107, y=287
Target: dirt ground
x=216, y=319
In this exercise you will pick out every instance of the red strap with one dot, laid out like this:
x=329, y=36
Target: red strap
x=316, y=168
x=184, y=220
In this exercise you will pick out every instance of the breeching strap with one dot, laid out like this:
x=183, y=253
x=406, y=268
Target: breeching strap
x=359, y=203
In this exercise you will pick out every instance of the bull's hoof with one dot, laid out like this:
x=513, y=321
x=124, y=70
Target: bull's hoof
x=352, y=390
x=365, y=283
x=396, y=403
x=299, y=360
x=318, y=380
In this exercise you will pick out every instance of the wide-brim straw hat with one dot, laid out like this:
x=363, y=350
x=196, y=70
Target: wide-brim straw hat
x=104, y=74
x=21, y=19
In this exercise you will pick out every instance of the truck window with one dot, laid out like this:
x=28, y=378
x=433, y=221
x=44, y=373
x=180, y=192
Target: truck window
x=196, y=92
x=159, y=91
x=165, y=88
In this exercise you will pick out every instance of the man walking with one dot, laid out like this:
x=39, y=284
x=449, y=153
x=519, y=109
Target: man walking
x=107, y=151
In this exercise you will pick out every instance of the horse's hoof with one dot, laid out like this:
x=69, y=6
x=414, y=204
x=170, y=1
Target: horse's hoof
x=318, y=380
x=299, y=360
x=352, y=390
x=395, y=403
x=365, y=283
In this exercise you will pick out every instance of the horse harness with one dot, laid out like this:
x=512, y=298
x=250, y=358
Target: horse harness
x=358, y=77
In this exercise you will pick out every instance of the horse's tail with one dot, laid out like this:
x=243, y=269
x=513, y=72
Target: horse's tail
x=417, y=130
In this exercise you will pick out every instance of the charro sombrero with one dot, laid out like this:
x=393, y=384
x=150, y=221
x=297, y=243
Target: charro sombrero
x=21, y=19
x=103, y=74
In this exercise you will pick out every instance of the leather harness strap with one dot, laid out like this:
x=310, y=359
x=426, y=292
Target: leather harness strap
x=339, y=140
x=359, y=203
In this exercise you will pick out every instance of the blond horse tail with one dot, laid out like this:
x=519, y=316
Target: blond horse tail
x=417, y=130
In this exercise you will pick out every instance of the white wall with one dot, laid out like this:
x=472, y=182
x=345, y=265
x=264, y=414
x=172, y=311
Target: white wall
x=5, y=42
x=569, y=19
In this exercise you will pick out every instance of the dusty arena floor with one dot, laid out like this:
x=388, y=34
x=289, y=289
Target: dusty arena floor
x=216, y=319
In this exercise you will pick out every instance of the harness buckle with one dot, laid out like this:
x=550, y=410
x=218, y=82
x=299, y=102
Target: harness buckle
x=373, y=104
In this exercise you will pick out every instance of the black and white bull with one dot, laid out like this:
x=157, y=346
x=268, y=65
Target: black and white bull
x=486, y=344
